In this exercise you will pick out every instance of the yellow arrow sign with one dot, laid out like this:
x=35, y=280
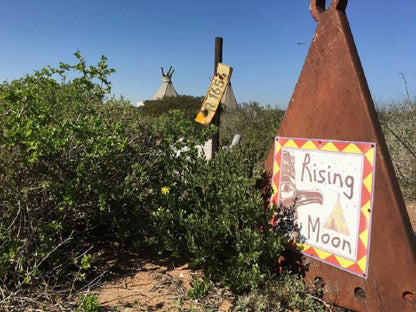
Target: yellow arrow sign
x=215, y=92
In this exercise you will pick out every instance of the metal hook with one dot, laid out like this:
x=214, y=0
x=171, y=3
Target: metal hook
x=340, y=5
x=318, y=6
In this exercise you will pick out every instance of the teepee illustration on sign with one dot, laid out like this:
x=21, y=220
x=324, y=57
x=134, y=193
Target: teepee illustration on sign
x=166, y=89
x=336, y=220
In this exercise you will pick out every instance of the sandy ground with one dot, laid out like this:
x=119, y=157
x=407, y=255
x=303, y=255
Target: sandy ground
x=155, y=285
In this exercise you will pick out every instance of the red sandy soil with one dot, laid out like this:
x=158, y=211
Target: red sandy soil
x=154, y=284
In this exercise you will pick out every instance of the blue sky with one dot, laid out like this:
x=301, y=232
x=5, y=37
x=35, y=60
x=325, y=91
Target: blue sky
x=260, y=42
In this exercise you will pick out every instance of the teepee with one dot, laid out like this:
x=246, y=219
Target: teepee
x=166, y=89
x=228, y=99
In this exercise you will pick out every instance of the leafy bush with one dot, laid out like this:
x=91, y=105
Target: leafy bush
x=286, y=293
x=88, y=303
x=190, y=105
x=217, y=221
x=256, y=124
x=199, y=287
x=398, y=122
x=54, y=143
x=75, y=171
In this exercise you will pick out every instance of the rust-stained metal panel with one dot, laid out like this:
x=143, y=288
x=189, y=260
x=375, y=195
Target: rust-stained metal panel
x=332, y=101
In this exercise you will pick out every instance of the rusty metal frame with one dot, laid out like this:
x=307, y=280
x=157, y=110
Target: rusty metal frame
x=332, y=101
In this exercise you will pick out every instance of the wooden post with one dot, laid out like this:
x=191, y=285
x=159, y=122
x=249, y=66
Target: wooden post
x=216, y=119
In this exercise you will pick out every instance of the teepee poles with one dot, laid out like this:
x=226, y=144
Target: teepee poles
x=166, y=89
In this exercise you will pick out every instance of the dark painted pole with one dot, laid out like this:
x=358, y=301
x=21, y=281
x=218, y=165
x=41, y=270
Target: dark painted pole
x=216, y=119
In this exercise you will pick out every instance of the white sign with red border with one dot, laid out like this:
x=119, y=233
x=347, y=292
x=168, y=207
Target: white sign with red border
x=330, y=186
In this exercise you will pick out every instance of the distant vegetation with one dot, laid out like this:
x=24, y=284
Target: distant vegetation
x=398, y=121
x=189, y=105
x=80, y=172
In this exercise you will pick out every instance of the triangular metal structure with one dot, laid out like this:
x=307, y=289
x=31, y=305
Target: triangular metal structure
x=332, y=101
x=166, y=89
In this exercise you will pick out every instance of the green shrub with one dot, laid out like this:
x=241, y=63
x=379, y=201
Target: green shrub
x=189, y=105
x=88, y=303
x=76, y=170
x=199, y=287
x=217, y=221
x=286, y=293
x=53, y=143
x=257, y=126
x=398, y=122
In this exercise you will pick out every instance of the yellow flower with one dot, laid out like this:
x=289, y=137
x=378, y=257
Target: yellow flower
x=165, y=190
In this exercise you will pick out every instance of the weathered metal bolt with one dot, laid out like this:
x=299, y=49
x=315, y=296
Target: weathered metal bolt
x=359, y=293
x=409, y=298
